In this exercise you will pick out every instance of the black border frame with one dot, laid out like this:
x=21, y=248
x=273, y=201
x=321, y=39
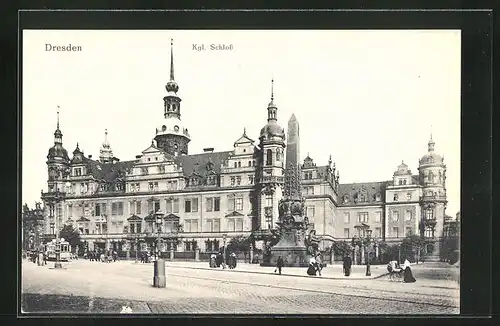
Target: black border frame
x=476, y=150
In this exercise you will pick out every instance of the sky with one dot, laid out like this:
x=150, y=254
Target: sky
x=371, y=99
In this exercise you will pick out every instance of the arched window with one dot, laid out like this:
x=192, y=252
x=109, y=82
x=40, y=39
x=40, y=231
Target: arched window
x=269, y=157
x=235, y=164
x=400, y=182
x=404, y=182
x=249, y=163
x=239, y=164
x=431, y=177
x=278, y=155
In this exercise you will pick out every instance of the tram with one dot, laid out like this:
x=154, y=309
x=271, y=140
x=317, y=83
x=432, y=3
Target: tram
x=51, y=248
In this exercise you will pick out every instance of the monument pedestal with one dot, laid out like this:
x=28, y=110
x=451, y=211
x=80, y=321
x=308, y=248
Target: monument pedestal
x=291, y=249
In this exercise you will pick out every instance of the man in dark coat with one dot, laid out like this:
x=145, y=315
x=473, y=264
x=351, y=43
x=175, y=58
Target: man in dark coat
x=347, y=265
x=279, y=264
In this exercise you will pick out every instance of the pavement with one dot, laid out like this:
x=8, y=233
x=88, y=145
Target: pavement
x=84, y=287
x=334, y=271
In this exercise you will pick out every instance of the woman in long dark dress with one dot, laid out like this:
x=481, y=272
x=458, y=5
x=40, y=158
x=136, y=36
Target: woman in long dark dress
x=408, y=276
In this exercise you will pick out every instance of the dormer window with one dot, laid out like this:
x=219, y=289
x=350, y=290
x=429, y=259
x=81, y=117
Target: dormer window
x=78, y=172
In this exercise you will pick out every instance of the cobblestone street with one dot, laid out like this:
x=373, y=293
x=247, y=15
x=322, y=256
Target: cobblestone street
x=194, y=290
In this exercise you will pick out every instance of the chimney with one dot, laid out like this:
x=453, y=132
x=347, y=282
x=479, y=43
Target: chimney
x=138, y=156
x=208, y=150
x=90, y=156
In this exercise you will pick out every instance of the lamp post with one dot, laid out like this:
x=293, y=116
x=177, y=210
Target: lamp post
x=53, y=200
x=159, y=222
x=224, y=256
x=136, y=247
x=159, y=279
x=368, y=243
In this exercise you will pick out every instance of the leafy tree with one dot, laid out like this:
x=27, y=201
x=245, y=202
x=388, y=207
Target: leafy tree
x=341, y=248
x=239, y=244
x=412, y=246
x=71, y=235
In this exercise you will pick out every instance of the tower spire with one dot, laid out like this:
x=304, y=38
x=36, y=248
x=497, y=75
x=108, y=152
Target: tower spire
x=272, y=89
x=58, y=117
x=171, y=59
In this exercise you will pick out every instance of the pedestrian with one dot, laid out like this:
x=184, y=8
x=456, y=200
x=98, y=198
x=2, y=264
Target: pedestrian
x=115, y=254
x=311, y=270
x=319, y=263
x=347, y=265
x=407, y=274
x=279, y=264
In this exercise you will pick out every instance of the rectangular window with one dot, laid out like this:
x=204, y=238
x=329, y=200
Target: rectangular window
x=138, y=207
x=210, y=204
x=120, y=208
x=378, y=216
x=194, y=204
x=238, y=180
x=150, y=186
x=312, y=190
x=363, y=217
x=187, y=206
x=97, y=210
x=230, y=225
x=210, y=226
x=346, y=233
x=169, y=206
x=176, y=205
x=395, y=232
x=250, y=179
x=139, y=228
x=138, y=186
x=347, y=218
x=269, y=201
x=310, y=211
x=114, y=208
x=232, y=181
x=216, y=204
x=231, y=203
x=150, y=206
x=156, y=186
x=216, y=225
x=194, y=225
x=408, y=215
x=132, y=228
x=239, y=224
x=239, y=204
x=395, y=216
x=378, y=232
x=157, y=206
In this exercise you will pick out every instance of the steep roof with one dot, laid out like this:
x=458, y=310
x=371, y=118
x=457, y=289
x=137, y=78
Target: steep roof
x=371, y=188
x=198, y=162
x=108, y=171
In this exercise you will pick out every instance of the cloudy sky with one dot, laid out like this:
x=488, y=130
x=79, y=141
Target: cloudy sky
x=369, y=98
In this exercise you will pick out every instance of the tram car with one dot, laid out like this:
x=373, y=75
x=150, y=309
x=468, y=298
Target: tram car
x=65, y=250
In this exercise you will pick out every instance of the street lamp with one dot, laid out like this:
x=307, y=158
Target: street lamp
x=53, y=201
x=224, y=257
x=368, y=242
x=159, y=223
x=136, y=247
x=159, y=279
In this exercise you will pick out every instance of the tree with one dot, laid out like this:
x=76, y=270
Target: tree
x=411, y=247
x=72, y=236
x=341, y=248
x=239, y=244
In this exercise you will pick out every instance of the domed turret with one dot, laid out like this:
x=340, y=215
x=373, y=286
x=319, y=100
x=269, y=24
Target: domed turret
x=272, y=129
x=172, y=136
x=58, y=152
x=431, y=157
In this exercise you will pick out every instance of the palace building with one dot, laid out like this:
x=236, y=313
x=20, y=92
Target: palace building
x=207, y=197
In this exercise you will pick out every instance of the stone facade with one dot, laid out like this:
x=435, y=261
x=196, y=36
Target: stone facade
x=204, y=196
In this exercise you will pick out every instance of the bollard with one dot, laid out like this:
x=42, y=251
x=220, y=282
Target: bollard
x=159, y=278
x=197, y=255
